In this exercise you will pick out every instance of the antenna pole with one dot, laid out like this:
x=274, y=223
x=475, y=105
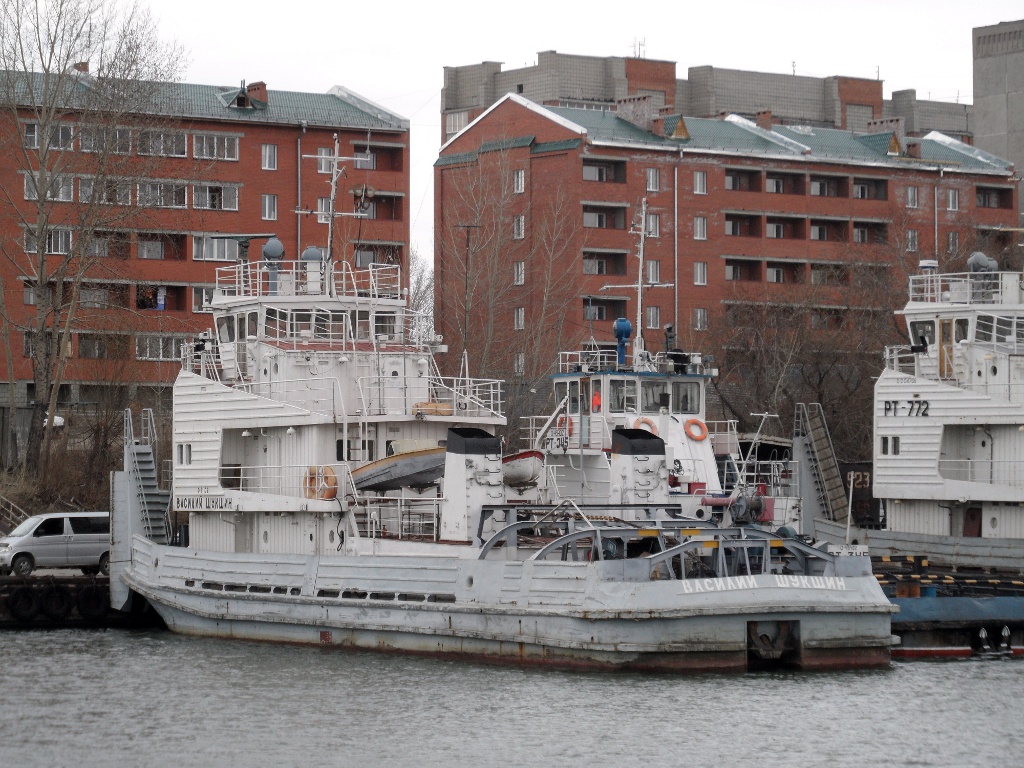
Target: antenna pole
x=638, y=345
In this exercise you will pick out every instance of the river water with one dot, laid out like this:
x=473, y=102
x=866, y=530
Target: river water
x=150, y=698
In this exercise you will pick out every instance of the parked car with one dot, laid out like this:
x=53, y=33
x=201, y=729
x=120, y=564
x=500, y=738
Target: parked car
x=58, y=540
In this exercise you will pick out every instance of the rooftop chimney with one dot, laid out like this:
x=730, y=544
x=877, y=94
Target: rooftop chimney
x=257, y=91
x=81, y=66
x=639, y=110
x=763, y=119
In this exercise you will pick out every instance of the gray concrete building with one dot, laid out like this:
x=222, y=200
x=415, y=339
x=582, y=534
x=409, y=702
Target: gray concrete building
x=999, y=93
x=600, y=81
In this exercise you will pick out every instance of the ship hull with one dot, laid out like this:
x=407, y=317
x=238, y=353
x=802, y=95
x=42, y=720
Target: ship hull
x=509, y=611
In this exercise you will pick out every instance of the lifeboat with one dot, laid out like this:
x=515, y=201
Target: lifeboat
x=401, y=470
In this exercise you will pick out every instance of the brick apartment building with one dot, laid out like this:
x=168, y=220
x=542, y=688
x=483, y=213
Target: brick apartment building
x=594, y=81
x=739, y=213
x=218, y=163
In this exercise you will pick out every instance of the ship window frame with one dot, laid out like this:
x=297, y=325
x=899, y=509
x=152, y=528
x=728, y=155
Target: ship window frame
x=621, y=395
x=653, y=395
x=685, y=391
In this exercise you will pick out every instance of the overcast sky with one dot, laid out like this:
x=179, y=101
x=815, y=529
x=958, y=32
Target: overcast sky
x=394, y=52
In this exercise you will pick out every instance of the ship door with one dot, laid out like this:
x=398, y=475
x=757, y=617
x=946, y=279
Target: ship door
x=945, y=349
x=972, y=523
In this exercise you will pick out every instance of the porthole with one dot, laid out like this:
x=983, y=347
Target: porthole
x=266, y=536
x=993, y=523
x=469, y=582
x=330, y=536
x=994, y=370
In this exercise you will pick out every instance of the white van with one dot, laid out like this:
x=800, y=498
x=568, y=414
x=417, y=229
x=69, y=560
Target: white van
x=58, y=540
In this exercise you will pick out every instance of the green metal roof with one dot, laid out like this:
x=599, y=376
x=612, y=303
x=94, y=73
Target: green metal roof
x=339, y=108
x=462, y=157
x=504, y=144
x=555, y=146
x=604, y=125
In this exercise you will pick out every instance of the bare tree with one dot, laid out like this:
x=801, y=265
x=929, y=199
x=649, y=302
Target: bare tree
x=80, y=81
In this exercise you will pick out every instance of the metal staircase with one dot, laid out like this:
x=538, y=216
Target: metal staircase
x=10, y=515
x=142, y=468
x=820, y=458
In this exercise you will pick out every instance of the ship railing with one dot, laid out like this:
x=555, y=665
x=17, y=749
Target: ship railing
x=289, y=480
x=966, y=288
x=724, y=437
x=398, y=518
x=901, y=360
x=309, y=278
x=590, y=360
x=986, y=471
x=774, y=477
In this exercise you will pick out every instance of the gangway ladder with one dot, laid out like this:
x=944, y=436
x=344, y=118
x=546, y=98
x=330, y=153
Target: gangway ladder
x=153, y=501
x=821, y=458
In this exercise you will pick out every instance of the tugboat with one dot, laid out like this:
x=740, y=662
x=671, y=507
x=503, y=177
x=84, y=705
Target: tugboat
x=315, y=374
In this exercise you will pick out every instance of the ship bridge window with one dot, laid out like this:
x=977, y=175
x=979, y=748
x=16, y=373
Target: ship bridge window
x=621, y=396
x=361, y=322
x=384, y=324
x=960, y=329
x=301, y=324
x=654, y=396
x=276, y=323
x=226, y=328
x=1004, y=329
x=685, y=397
x=922, y=331
x=983, y=331
x=252, y=325
x=574, y=397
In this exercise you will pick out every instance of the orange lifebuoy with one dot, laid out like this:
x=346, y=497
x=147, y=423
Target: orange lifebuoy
x=700, y=434
x=320, y=483
x=564, y=422
x=643, y=421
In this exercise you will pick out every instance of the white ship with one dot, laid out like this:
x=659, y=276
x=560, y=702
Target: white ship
x=949, y=425
x=315, y=372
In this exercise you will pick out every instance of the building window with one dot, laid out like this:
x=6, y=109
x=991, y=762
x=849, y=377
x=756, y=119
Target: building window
x=366, y=161
x=107, y=191
x=595, y=220
x=774, y=186
x=519, y=227
x=211, y=249
x=324, y=162
x=518, y=181
x=700, y=228
x=366, y=209
x=162, y=195
x=653, y=268
x=154, y=347
x=952, y=242
x=653, y=225
x=912, y=240
x=519, y=319
x=117, y=140
x=911, y=197
x=860, y=234
x=819, y=232
x=700, y=182
x=30, y=136
x=520, y=364
x=860, y=191
x=213, y=146
x=270, y=207
x=61, y=137
x=215, y=197
x=269, y=157
x=594, y=311
x=455, y=122
x=775, y=231
x=775, y=275
x=364, y=258
x=151, y=249
x=323, y=210
x=653, y=179
x=58, y=241
x=519, y=273
x=594, y=266
x=824, y=188
x=202, y=298
x=732, y=227
x=700, y=319
x=99, y=346
x=700, y=273
x=653, y=317
x=952, y=200
x=163, y=144
x=61, y=187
